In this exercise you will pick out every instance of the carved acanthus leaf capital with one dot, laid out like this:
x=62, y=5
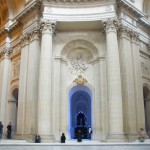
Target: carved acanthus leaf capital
x=7, y=51
x=124, y=32
x=25, y=39
x=35, y=33
x=111, y=25
x=134, y=36
x=48, y=26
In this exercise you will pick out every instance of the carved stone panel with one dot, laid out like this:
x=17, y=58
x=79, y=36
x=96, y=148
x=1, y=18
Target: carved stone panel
x=145, y=69
x=16, y=68
x=78, y=60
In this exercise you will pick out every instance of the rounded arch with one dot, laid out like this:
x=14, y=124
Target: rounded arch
x=79, y=43
x=146, y=97
x=80, y=109
x=13, y=108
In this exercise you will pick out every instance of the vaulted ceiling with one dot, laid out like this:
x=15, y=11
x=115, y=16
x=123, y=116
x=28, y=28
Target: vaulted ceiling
x=3, y=11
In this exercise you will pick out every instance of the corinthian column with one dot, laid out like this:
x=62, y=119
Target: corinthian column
x=128, y=91
x=137, y=80
x=114, y=83
x=45, y=83
x=5, y=82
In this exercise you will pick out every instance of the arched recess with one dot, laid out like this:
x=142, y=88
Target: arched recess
x=80, y=109
x=79, y=44
x=13, y=109
x=146, y=8
x=146, y=97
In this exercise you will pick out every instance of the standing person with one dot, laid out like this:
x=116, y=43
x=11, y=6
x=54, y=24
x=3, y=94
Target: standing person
x=79, y=136
x=89, y=132
x=9, y=130
x=1, y=130
x=63, y=138
x=141, y=135
x=37, y=139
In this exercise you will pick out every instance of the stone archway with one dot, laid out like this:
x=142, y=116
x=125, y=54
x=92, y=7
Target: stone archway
x=80, y=112
x=13, y=109
x=146, y=96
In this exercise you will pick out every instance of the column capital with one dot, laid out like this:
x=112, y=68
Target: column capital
x=134, y=37
x=48, y=27
x=124, y=32
x=7, y=52
x=111, y=25
x=35, y=33
x=24, y=39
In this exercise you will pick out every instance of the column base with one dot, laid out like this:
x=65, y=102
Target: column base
x=47, y=138
x=116, y=137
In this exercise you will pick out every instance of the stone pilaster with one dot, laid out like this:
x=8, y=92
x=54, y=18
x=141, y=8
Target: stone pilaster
x=96, y=103
x=137, y=80
x=128, y=91
x=56, y=99
x=103, y=99
x=45, y=82
x=114, y=83
x=22, y=85
x=32, y=82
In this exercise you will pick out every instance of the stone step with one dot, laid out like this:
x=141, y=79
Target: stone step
x=12, y=141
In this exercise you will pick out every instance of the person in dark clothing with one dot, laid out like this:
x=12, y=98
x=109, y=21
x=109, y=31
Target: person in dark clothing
x=9, y=130
x=1, y=130
x=89, y=132
x=79, y=136
x=63, y=138
x=37, y=139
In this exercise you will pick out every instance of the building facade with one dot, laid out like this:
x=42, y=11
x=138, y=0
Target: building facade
x=61, y=59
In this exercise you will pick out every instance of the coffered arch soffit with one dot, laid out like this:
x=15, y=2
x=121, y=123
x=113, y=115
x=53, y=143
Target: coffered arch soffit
x=9, y=9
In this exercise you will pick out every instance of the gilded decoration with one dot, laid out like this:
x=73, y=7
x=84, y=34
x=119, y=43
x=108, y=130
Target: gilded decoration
x=80, y=80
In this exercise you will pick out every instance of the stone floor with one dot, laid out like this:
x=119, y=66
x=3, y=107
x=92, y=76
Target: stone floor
x=73, y=145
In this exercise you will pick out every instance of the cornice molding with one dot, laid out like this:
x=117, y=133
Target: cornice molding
x=129, y=7
x=143, y=21
x=33, y=6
